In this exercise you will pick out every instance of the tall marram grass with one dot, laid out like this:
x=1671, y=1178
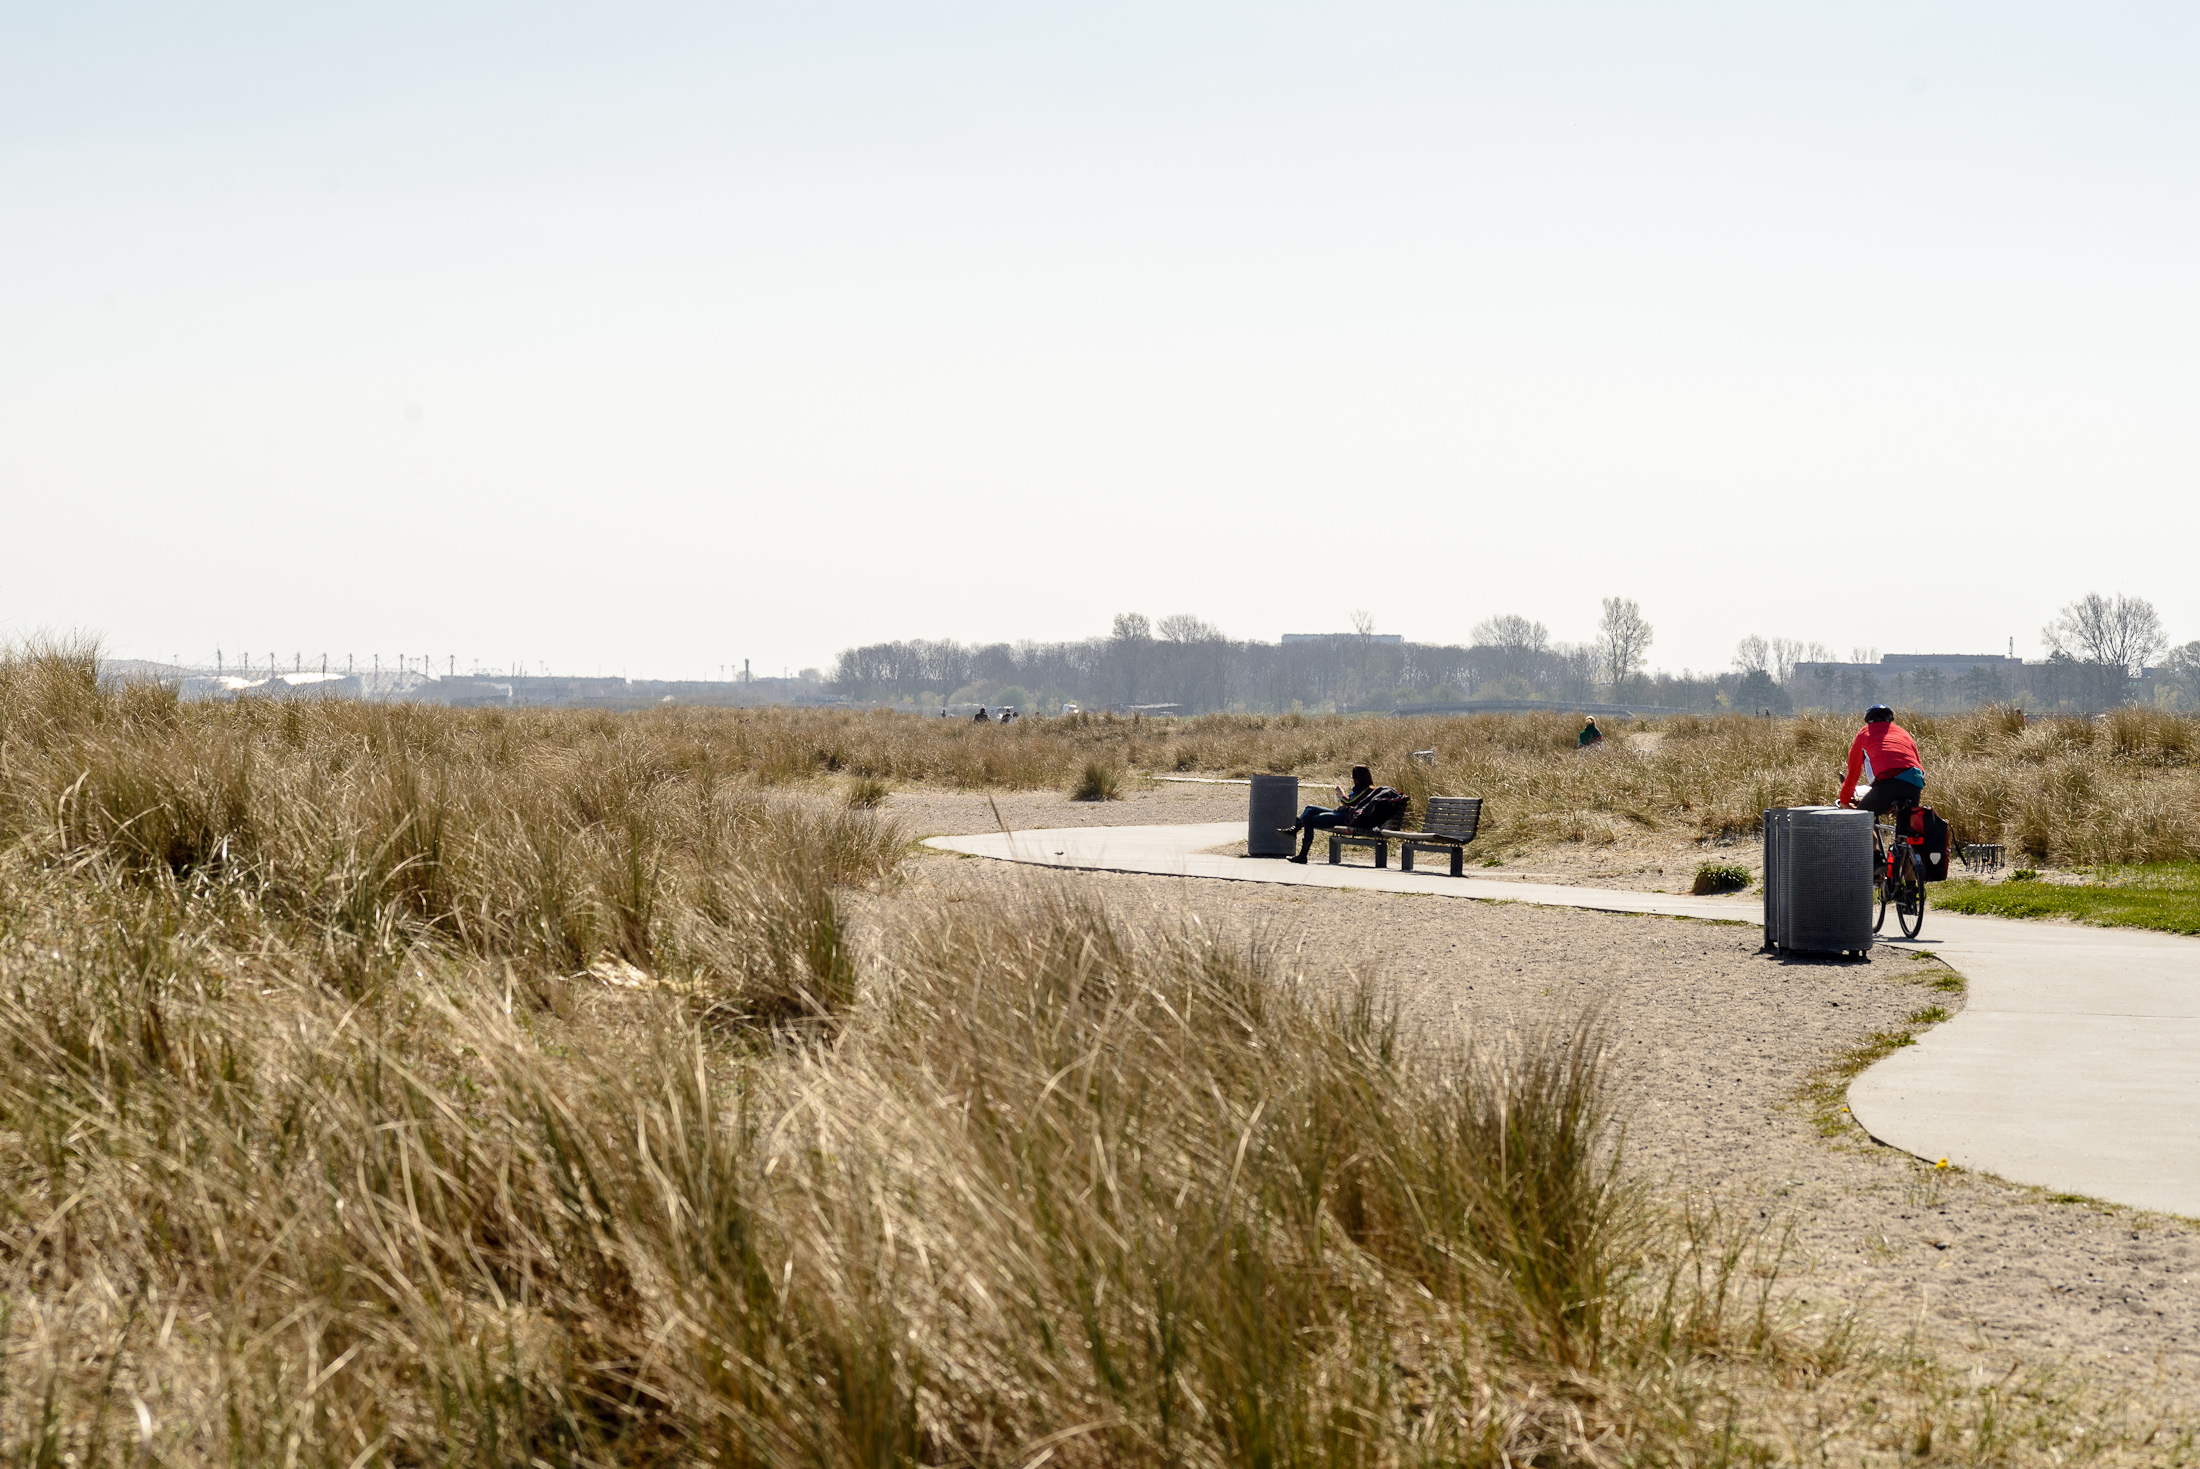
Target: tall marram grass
x=1132, y=1196
x=190, y=787
x=194, y=787
x=365, y=830
x=2123, y=787
x=318, y=1147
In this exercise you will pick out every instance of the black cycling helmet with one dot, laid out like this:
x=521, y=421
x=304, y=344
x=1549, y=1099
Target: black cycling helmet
x=1879, y=714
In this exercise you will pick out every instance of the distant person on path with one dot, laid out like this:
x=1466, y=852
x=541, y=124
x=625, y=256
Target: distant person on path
x=1590, y=735
x=1886, y=750
x=1369, y=806
x=981, y=717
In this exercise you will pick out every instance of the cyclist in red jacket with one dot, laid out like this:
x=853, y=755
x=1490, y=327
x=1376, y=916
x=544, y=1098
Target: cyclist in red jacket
x=1897, y=777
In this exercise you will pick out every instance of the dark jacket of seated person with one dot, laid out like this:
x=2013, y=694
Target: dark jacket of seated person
x=1368, y=807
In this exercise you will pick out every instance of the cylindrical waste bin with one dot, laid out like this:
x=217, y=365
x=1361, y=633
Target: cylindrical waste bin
x=1275, y=803
x=1818, y=879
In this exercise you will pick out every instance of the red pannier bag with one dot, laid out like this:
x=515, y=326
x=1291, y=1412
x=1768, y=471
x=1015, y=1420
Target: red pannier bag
x=1932, y=854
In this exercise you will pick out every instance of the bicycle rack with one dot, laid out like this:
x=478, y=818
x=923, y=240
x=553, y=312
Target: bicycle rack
x=1982, y=856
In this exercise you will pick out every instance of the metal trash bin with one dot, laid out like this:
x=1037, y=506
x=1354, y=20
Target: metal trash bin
x=1275, y=803
x=1818, y=880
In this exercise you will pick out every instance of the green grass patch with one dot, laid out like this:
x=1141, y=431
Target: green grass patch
x=1721, y=877
x=1827, y=1090
x=2161, y=895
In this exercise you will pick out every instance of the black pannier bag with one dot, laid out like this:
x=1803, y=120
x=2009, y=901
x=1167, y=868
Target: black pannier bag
x=1932, y=857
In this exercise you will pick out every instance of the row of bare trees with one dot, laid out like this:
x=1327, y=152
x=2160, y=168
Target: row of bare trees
x=1619, y=653
x=2099, y=648
x=1184, y=660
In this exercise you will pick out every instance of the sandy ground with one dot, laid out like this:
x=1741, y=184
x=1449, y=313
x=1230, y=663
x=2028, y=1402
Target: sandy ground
x=1712, y=1041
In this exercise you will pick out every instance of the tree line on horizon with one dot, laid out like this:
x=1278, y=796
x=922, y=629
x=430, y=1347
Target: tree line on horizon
x=2099, y=649
x=1185, y=661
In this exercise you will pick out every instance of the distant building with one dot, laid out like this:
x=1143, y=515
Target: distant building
x=1914, y=665
x=1392, y=639
x=1938, y=682
x=1948, y=665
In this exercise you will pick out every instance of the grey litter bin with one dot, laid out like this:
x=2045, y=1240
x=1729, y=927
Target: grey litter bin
x=1275, y=803
x=1818, y=879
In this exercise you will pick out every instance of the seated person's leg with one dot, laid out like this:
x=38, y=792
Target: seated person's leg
x=1312, y=819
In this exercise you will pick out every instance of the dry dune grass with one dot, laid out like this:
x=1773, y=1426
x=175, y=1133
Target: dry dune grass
x=2120, y=788
x=2124, y=787
x=369, y=829
x=318, y=1146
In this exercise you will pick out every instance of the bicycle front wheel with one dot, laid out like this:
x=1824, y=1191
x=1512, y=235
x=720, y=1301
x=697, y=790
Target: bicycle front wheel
x=1909, y=896
x=1879, y=886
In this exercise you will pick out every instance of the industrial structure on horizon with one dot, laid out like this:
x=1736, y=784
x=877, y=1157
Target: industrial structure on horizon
x=475, y=690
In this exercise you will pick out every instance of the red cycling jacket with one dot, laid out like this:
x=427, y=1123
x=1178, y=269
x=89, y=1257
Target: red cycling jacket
x=1892, y=751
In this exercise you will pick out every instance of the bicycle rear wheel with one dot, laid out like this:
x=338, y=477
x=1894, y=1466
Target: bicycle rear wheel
x=1909, y=894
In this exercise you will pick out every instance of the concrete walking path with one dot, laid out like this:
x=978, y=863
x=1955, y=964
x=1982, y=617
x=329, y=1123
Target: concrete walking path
x=2073, y=1065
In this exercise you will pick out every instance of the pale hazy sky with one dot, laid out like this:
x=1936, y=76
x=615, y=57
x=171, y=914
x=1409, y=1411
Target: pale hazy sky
x=655, y=337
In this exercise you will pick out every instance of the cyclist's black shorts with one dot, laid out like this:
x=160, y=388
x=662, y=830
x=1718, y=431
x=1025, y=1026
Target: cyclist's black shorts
x=1885, y=795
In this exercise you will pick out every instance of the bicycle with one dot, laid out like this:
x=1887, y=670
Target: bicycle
x=1896, y=877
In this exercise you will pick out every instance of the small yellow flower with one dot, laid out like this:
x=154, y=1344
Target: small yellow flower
x=1941, y=1164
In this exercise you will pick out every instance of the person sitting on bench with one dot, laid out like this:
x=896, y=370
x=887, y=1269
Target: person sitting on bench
x=1369, y=806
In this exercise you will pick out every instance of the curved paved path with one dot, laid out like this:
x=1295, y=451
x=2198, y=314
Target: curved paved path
x=2074, y=1063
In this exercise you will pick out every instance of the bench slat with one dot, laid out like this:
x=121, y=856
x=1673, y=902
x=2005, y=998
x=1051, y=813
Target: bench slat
x=1454, y=817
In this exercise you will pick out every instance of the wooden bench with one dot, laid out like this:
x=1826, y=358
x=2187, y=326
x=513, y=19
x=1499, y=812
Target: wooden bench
x=1450, y=824
x=1377, y=837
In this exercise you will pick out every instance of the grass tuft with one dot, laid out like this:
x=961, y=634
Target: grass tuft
x=1721, y=877
x=1098, y=782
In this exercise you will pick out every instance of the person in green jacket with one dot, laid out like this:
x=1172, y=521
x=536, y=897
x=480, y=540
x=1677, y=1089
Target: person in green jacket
x=1590, y=735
